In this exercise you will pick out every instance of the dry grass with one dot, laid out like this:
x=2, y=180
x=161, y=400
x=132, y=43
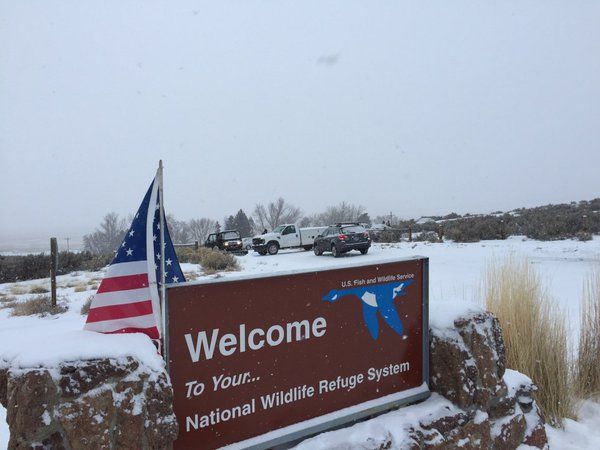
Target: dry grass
x=7, y=301
x=38, y=289
x=81, y=287
x=587, y=369
x=190, y=276
x=16, y=289
x=535, y=334
x=85, y=309
x=37, y=306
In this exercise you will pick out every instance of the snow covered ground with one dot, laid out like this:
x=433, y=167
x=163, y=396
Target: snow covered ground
x=455, y=274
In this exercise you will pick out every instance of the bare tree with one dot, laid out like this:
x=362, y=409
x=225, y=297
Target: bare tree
x=178, y=229
x=276, y=213
x=343, y=212
x=201, y=228
x=108, y=237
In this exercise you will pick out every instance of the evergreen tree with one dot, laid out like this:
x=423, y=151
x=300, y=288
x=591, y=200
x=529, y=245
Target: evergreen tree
x=230, y=223
x=243, y=224
x=364, y=218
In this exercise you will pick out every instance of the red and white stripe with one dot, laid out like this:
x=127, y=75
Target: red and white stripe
x=123, y=302
x=127, y=300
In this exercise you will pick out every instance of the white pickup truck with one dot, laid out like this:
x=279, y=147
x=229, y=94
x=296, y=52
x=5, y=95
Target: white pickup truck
x=285, y=236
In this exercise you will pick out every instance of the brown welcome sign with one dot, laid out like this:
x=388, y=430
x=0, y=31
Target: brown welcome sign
x=262, y=361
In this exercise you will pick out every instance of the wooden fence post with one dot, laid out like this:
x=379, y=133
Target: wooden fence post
x=53, y=268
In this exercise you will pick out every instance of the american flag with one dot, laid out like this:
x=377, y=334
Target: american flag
x=127, y=300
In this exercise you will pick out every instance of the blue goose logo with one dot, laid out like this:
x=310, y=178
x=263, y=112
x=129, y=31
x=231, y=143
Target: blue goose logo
x=379, y=297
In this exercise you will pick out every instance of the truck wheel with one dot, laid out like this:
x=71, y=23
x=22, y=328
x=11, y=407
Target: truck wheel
x=273, y=248
x=317, y=250
x=334, y=251
x=307, y=247
x=364, y=250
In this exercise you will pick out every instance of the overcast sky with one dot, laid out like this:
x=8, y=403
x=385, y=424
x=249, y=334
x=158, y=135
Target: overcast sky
x=419, y=109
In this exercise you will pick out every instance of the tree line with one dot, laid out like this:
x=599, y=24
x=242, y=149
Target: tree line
x=112, y=229
x=578, y=220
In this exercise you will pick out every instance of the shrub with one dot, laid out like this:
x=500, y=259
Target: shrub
x=583, y=236
x=38, y=289
x=210, y=260
x=388, y=235
x=190, y=255
x=29, y=267
x=426, y=236
x=85, y=309
x=40, y=305
x=534, y=332
x=216, y=260
x=18, y=290
x=587, y=369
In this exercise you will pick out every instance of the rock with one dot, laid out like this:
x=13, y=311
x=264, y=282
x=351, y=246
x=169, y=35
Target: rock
x=79, y=378
x=537, y=437
x=129, y=424
x=467, y=362
x=461, y=430
x=87, y=421
x=96, y=404
x=159, y=412
x=509, y=433
x=54, y=442
x=450, y=375
x=3, y=386
x=31, y=398
x=503, y=404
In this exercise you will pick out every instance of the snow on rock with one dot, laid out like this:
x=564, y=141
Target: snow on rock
x=467, y=358
x=442, y=314
x=101, y=403
x=53, y=349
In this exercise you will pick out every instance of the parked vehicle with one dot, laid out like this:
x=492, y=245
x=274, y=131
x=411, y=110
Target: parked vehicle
x=285, y=236
x=247, y=243
x=226, y=240
x=341, y=238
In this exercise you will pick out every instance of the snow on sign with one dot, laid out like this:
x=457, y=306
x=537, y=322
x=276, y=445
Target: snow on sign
x=261, y=361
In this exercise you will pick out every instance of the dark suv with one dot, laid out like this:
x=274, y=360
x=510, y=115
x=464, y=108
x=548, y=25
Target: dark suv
x=227, y=240
x=341, y=238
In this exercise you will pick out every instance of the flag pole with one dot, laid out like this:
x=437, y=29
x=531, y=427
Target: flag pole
x=162, y=253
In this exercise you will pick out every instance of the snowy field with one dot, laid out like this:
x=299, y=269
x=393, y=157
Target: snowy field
x=456, y=271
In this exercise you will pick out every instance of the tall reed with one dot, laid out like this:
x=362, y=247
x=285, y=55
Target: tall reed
x=535, y=333
x=587, y=369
